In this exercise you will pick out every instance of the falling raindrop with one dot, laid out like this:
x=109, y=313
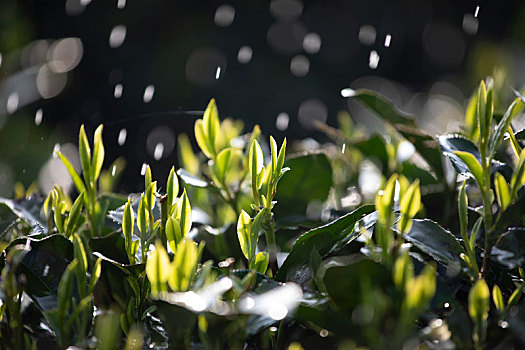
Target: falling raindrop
x=122, y=136
x=312, y=43
x=201, y=66
x=281, y=123
x=117, y=36
x=121, y=4
x=245, y=54
x=373, y=60
x=224, y=15
x=299, y=66
x=470, y=24
x=12, y=102
x=113, y=170
x=0, y=60
x=118, y=91
x=347, y=92
x=56, y=149
x=143, y=169
x=476, y=12
x=343, y=148
x=388, y=39
x=38, y=116
x=46, y=270
x=159, y=149
x=148, y=93
x=367, y=34
x=218, y=73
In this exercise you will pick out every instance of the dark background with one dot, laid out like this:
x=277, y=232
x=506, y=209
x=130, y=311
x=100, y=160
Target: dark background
x=430, y=43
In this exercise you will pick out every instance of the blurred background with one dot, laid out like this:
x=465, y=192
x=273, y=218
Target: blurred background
x=145, y=68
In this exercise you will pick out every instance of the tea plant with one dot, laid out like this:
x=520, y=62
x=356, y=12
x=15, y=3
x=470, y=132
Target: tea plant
x=247, y=247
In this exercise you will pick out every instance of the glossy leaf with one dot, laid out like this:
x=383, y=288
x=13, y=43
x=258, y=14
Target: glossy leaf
x=478, y=301
x=184, y=213
x=260, y=263
x=183, y=266
x=497, y=297
x=173, y=232
x=158, y=269
x=128, y=223
x=473, y=165
x=172, y=187
x=503, y=126
x=201, y=138
x=147, y=178
x=85, y=153
x=222, y=165
x=502, y=191
x=74, y=175
x=518, y=176
x=256, y=165
x=74, y=215
x=324, y=239
x=98, y=154
x=211, y=125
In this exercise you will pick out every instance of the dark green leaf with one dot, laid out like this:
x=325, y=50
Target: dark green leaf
x=435, y=241
x=510, y=249
x=323, y=239
x=26, y=209
x=382, y=107
x=309, y=179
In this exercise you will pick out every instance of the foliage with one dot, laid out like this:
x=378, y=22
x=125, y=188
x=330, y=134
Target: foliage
x=245, y=247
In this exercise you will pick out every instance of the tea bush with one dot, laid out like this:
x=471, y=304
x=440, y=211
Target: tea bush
x=246, y=247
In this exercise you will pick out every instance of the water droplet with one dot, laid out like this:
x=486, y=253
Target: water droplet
x=286, y=10
x=323, y=333
x=113, y=170
x=159, y=149
x=388, y=39
x=278, y=311
x=311, y=112
x=56, y=149
x=117, y=36
x=245, y=54
x=38, y=116
x=347, y=92
x=143, y=169
x=282, y=121
x=122, y=136
x=224, y=15
x=118, y=91
x=373, y=60
x=49, y=83
x=121, y=4
x=65, y=54
x=148, y=93
x=470, y=24
x=273, y=329
x=476, y=12
x=367, y=34
x=218, y=73
x=299, y=66
x=12, y=102
x=312, y=43
x=343, y=148
x=503, y=324
x=46, y=270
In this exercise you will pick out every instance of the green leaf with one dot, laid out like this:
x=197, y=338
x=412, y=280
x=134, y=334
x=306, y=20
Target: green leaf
x=184, y=213
x=309, y=179
x=74, y=175
x=147, y=177
x=256, y=165
x=463, y=213
x=420, y=290
x=98, y=154
x=201, y=138
x=497, y=297
x=173, y=233
x=324, y=239
x=43, y=266
x=435, y=241
x=273, y=154
x=518, y=176
x=80, y=253
x=188, y=159
x=382, y=107
x=244, y=224
x=473, y=165
x=484, y=129
x=64, y=292
x=260, y=263
x=95, y=275
x=222, y=165
x=172, y=189
x=74, y=215
x=85, y=153
x=502, y=127
x=502, y=191
x=471, y=121
x=403, y=271
x=478, y=301
x=280, y=158
x=183, y=266
x=128, y=223
x=211, y=125
x=515, y=296
x=142, y=218
x=158, y=270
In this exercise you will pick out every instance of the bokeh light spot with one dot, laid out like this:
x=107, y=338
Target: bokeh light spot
x=311, y=112
x=224, y=15
x=117, y=36
x=245, y=54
